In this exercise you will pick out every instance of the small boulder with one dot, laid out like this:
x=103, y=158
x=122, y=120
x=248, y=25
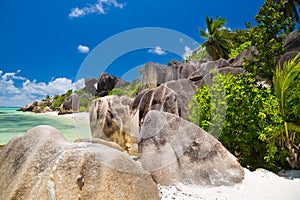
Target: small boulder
x=175, y=151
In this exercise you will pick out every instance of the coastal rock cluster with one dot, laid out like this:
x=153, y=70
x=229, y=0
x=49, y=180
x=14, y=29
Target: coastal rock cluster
x=139, y=144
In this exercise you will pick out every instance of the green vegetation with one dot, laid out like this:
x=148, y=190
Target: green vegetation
x=59, y=99
x=129, y=90
x=240, y=49
x=268, y=38
x=286, y=87
x=255, y=121
x=242, y=116
x=217, y=44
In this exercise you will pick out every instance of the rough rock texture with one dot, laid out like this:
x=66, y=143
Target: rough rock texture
x=105, y=83
x=100, y=141
x=155, y=74
x=110, y=120
x=292, y=48
x=172, y=97
x=70, y=105
x=90, y=86
x=292, y=42
x=36, y=106
x=42, y=165
x=239, y=60
x=286, y=57
x=174, y=151
x=207, y=79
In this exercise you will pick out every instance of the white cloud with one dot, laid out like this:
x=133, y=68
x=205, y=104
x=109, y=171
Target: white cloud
x=12, y=94
x=157, y=50
x=83, y=49
x=100, y=7
x=181, y=40
x=187, y=52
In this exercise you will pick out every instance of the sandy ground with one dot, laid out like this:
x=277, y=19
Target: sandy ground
x=81, y=116
x=258, y=185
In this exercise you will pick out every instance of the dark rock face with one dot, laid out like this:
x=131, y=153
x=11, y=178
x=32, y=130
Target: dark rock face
x=42, y=165
x=172, y=97
x=90, y=86
x=29, y=107
x=110, y=120
x=239, y=60
x=292, y=42
x=286, y=57
x=105, y=83
x=70, y=105
x=174, y=151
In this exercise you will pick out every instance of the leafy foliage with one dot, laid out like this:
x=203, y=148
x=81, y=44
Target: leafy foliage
x=240, y=49
x=286, y=86
x=218, y=42
x=59, y=99
x=245, y=116
x=129, y=90
x=268, y=38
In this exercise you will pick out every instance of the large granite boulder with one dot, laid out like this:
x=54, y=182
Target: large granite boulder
x=105, y=83
x=90, y=86
x=175, y=151
x=155, y=74
x=70, y=105
x=29, y=107
x=42, y=165
x=110, y=120
x=172, y=97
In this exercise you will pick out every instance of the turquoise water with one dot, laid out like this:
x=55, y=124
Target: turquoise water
x=13, y=123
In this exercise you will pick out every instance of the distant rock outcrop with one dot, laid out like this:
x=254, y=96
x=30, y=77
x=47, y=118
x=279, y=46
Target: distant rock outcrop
x=36, y=107
x=176, y=151
x=90, y=86
x=110, y=120
x=172, y=97
x=42, y=165
x=70, y=105
x=105, y=83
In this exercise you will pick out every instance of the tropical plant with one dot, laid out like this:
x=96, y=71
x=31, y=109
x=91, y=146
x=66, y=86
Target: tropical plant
x=268, y=38
x=251, y=115
x=217, y=42
x=289, y=7
x=285, y=80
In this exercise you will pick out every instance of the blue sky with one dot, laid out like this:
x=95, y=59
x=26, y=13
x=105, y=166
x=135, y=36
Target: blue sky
x=44, y=43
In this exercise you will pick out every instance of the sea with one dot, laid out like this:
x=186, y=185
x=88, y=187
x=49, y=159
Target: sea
x=14, y=123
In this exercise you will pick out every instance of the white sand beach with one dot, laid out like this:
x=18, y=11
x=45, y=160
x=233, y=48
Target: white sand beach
x=81, y=116
x=259, y=185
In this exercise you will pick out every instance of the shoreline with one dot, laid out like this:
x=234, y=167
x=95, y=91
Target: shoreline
x=80, y=116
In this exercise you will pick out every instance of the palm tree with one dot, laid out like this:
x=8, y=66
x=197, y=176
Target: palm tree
x=284, y=80
x=290, y=8
x=217, y=44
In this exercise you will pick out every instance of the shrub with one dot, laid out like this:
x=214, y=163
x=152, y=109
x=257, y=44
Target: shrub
x=244, y=115
x=58, y=100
